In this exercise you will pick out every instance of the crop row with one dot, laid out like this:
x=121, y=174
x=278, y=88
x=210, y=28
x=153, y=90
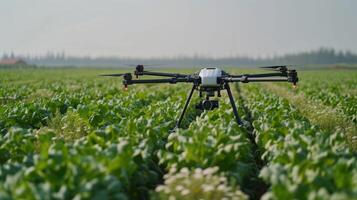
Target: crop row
x=43, y=157
x=334, y=97
x=96, y=141
x=335, y=89
x=213, y=140
x=88, y=139
x=303, y=162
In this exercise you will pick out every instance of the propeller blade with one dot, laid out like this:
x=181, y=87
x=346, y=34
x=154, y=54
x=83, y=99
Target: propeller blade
x=146, y=65
x=281, y=68
x=153, y=65
x=115, y=75
x=273, y=67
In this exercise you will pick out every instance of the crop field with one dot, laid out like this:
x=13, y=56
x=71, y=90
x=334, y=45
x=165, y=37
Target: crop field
x=69, y=134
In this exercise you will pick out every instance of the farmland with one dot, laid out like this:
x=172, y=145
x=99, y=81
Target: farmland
x=68, y=134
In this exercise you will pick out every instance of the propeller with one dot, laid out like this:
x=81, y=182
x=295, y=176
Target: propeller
x=146, y=65
x=273, y=67
x=127, y=77
x=276, y=68
x=139, y=68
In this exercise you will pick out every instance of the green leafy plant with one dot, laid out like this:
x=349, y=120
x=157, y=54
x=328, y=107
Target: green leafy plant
x=197, y=184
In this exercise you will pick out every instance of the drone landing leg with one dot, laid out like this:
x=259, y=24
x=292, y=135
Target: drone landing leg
x=235, y=111
x=185, y=107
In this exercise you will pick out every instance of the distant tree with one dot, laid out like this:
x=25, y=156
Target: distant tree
x=322, y=55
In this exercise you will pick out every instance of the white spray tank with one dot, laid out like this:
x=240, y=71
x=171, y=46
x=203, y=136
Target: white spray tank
x=209, y=76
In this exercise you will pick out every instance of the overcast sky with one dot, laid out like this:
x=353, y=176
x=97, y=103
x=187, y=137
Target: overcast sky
x=176, y=27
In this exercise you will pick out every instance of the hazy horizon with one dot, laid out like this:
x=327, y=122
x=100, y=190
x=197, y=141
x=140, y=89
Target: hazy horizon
x=170, y=28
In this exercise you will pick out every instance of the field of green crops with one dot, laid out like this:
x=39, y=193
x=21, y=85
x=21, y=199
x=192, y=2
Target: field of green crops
x=69, y=134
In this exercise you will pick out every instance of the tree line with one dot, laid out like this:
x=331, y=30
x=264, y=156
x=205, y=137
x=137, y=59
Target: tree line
x=321, y=56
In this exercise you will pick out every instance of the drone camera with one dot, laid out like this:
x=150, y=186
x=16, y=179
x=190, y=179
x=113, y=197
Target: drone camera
x=207, y=105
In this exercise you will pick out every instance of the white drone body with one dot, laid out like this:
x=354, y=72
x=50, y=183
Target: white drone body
x=209, y=77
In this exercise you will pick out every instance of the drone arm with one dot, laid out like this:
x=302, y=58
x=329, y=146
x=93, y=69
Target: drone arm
x=265, y=79
x=169, y=80
x=288, y=76
x=137, y=73
x=259, y=75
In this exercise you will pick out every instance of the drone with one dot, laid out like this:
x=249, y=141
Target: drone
x=209, y=82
